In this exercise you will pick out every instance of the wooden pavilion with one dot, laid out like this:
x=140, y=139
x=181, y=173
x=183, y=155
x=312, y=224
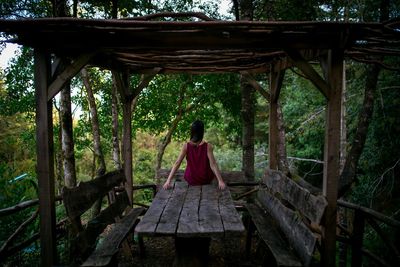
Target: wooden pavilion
x=140, y=45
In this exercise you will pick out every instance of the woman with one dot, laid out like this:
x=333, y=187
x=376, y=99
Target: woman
x=201, y=165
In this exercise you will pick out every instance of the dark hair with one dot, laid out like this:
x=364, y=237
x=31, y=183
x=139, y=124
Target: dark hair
x=197, y=131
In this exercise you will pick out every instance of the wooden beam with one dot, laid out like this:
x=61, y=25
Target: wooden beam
x=80, y=198
x=309, y=205
x=127, y=96
x=122, y=82
x=309, y=71
x=275, y=88
x=332, y=153
x=357, y=238
x=127, y=142
x=252, y=81
x=45, y=159
x=276, y=84
x=69, y=72
x=144, y=81
x=371, y=213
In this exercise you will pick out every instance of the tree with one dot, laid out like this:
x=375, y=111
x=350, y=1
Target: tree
x=100, y=164
x=248, y=102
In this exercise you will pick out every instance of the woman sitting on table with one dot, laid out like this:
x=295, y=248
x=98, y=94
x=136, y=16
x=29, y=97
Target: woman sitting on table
x=201, y=166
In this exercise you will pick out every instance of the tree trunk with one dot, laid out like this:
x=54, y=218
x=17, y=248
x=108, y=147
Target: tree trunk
x=67, y=137
x=343, y=128
x=165, y=141
x=58, y=158
x=342, y=212
x=283, y=164
x=99, y=157
x=348, y=174
x=247, y=112
x=115, y=126
x=173, y=125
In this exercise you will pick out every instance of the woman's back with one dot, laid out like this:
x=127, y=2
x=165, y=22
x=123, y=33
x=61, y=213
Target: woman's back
x=198, y=170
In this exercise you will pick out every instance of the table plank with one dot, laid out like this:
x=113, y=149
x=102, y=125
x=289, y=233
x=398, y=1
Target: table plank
x=194, y=211
x=149, y=222
x=189, y=220
x=169, y=219
x=230, y=217
x=209, y=216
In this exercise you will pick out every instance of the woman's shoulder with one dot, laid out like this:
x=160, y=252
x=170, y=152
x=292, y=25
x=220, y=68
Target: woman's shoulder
x=209, y=146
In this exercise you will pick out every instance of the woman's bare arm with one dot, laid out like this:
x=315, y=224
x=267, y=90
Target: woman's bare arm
x=175, y=167
x=214, y=167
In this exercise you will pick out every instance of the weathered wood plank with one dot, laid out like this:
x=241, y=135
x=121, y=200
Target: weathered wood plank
x=230, y=218
x=209, y=217
x=233, y=176
x=45, y=158
x=86, y=239
x=372, y=213
x=110, y=244
x=169, y=219
x=79, y=199
x=299, y=236
x=127, y=145
x=18, y=207
x=309, y=71
x=264, y=223
x=357, y=238
x=163, y=174
x=228, y=176
x=309, y=205
x=68, y=73
x=149, y=222
x=189, y=220
x=334, y=75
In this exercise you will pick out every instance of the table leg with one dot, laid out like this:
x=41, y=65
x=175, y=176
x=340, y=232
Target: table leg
x=191, y=251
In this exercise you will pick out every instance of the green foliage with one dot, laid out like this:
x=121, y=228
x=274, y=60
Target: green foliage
x=304, y=115
x=18, y=92
x=24, y=9
x=217, y=102
x=204, y=97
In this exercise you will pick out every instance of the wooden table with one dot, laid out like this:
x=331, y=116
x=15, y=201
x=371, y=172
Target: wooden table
x=191, y=214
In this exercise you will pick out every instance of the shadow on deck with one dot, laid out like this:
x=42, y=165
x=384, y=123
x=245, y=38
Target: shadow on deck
x=160, y=251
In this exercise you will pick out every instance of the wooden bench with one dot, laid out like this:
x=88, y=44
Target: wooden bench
x=79, y=199
x=284, y=215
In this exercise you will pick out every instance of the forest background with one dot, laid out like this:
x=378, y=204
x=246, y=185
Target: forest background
x=163, y=111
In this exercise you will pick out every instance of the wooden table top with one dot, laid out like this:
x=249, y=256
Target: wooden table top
x=191, y=211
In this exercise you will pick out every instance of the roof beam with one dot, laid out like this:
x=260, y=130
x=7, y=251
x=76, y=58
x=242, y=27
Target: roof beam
x=144, y=81
x=123, y=86
x=256, y=85
x=309, y=71
x=69, y=72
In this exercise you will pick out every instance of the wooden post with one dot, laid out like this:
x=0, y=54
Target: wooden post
x=45, y=160
x=127, y=138
x=275, y=88
x=334, y=74
x=357, y=238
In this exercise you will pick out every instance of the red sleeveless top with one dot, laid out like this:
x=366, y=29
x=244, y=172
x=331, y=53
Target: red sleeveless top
x=198, y=170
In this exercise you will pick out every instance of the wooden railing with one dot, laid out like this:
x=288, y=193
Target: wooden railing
x=355, y=237
x=8, y=248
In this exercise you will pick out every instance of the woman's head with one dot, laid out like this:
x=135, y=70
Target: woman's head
x=197, y=131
